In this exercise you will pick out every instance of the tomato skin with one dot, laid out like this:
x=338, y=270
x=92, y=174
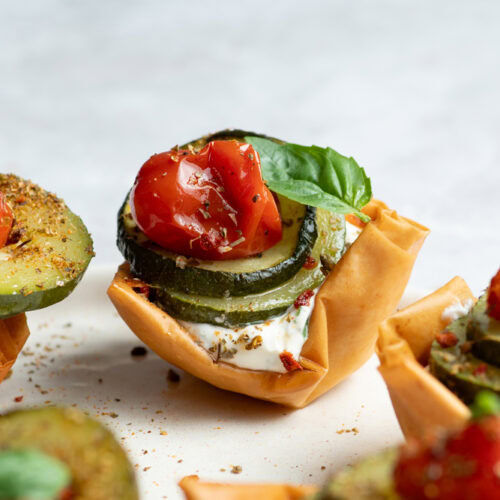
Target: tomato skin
x=6, y=220
x=494, y=297
x=464, y=467
x=211, y=205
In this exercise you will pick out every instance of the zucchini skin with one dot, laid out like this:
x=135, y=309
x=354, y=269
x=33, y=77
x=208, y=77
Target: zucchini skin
x=10, y=305
x=233, y=312
x=185, y=311
x=161, y=271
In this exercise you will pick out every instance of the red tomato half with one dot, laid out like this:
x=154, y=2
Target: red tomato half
x=494, y=297
x=211, y=205
x=464, y=467
x=6, y=219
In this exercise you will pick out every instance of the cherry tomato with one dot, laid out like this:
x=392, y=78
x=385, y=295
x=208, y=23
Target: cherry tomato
x=211, y=205
x=6, y=219
x=494, y=297
x=463, y=467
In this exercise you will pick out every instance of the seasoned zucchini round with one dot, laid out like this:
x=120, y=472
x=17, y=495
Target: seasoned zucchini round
x=255, y=308
x=473, y=364
x=99, y=468
x=238, y=277
x=48, y=250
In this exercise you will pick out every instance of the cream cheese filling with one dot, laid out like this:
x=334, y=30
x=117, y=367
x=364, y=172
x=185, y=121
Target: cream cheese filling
x=259, y=346
x=457, y=310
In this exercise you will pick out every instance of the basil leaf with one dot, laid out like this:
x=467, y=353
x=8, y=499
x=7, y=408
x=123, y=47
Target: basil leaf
x=30, y=474
x=315, y=176
x=486, y=403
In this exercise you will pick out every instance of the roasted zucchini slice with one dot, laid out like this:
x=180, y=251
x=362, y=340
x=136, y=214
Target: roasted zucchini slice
x=238, y=277
x=98, y=466
x=48, y=250
x=369, y=479
x=256, y=308
x=471, y=365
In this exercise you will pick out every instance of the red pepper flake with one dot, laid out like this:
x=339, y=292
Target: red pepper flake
x=303, y=299
x=480, y=369
x=310, y=263
x=142, y=290
x=66, y=494
x=355, y=220
x=494, y=297
x=446, y=339
x=18, y=399
x=289, y=362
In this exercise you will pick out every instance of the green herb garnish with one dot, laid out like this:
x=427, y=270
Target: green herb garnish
x=315, y=176
x=487, y=403
x=30, y=474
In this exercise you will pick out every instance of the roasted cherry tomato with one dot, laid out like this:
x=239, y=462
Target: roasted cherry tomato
x=494, y=297
x=6, y=219
x=211, y=205
x=464, y=467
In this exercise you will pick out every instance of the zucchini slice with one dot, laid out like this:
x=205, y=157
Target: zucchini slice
x=462, y=367
x=48, y=250
x=256, y=308
x=213, y=278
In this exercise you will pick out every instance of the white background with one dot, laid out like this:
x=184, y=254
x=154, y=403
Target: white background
x=90, y=89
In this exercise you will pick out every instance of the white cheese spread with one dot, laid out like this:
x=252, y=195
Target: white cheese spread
x=457, y=310
x=259, y=346
x=256, y=347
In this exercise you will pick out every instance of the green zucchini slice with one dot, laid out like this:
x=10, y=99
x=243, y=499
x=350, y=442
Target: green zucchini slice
x=237, y=311
x=368, y=479
x=99, y=468
x=48, y=250
x=238, y=277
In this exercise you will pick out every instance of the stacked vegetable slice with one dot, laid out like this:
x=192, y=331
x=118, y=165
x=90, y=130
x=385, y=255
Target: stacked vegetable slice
x=240, y=291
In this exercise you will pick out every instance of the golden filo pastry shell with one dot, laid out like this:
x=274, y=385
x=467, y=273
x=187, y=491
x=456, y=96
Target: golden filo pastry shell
x=421, y=402
x=194, y=489
x=13, y=334
x=362, y=290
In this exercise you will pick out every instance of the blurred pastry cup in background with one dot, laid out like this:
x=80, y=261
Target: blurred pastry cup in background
x=13, y=334
x=194, y=489
x=421, y=401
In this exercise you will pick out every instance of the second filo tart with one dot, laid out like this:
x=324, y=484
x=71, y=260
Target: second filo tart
x=439, y=353
x=364, y=282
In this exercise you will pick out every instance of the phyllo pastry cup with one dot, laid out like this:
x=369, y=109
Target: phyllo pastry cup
x=362, y=290
x=421, y=402
x=13, y=334
x=194, y=489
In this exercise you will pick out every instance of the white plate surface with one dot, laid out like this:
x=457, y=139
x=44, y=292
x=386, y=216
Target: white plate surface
x=79, y=354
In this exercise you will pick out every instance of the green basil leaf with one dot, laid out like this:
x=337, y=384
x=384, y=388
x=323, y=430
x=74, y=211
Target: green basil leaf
x=485, y=404
x=30, y=474
x=315, y=176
